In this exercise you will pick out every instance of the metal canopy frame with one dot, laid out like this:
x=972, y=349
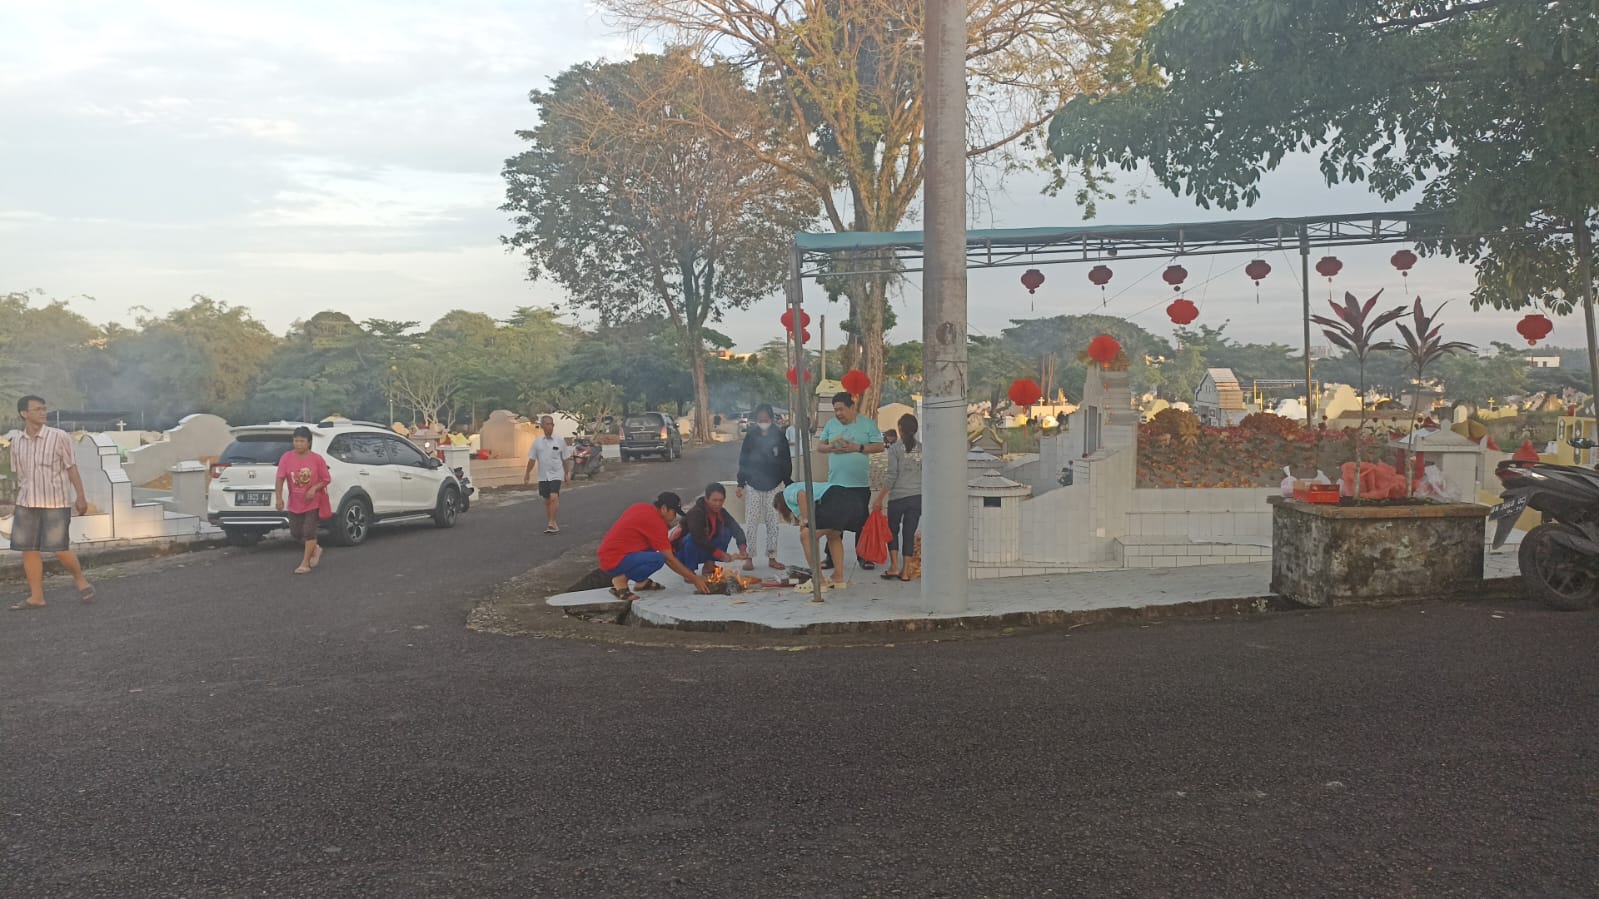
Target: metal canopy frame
x=1014, y=247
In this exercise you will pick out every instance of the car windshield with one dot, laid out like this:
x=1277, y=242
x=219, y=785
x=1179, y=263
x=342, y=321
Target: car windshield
x=643, y=421
x=257, y=449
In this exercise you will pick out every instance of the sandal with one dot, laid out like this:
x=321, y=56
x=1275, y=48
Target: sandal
x=771, y=562
x=86, y=593
x=548, y=531
x=624, y=595
x=890, y=576
x=648, y=584
x=302, y=570
x=26, y=606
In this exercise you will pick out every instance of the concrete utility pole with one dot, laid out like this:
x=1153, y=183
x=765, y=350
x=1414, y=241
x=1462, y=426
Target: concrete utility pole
x=944, y=512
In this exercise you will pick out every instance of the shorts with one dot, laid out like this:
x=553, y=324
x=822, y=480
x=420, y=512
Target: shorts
x=302, y=525
x=41, y=530
x=842, y=509
x=548, y=489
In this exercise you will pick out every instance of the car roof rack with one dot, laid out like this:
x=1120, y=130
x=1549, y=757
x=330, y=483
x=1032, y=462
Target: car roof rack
x=338, y=422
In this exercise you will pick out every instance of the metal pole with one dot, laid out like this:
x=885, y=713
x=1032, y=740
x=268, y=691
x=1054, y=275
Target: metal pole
x=944, y=524
x=1304, y=282
x=1582, y=244
x=823, y=347
x=802, y=418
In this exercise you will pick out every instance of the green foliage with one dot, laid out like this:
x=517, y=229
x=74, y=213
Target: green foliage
x=1492, y=105
x=1066, y=336
x=43, y=350
x=1469, y=378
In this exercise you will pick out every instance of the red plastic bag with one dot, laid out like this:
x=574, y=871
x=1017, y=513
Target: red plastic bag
x=873, y=545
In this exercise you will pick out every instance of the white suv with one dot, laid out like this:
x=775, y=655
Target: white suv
x=378, y=476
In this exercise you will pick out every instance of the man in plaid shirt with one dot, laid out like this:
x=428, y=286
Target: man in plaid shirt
x=45, y=467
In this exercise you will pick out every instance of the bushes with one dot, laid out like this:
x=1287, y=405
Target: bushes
x=1267, y=423
x=1175, y=425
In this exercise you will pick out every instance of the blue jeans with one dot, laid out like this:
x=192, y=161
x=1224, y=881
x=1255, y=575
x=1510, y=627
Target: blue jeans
x=640, y=565
x=689, y=553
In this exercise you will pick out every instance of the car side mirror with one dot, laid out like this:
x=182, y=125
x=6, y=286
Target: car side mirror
x=435, y=462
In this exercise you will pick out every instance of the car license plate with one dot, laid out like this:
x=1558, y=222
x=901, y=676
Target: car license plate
x=1508, y=508
x=252, y=498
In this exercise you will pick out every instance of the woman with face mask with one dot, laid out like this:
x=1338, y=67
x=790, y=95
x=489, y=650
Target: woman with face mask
x=763, y=471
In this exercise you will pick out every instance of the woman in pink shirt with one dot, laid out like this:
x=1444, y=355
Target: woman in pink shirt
x=306, y=475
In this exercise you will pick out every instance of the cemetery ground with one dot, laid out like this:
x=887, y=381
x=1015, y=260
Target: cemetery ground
x=217, y=726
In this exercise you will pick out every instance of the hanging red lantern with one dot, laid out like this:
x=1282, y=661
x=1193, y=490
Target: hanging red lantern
x=1328, y=267
x=805, y=335
x=1404, y=260
x=1100, y=275
x=793, y=377
x=1103, y=349
x=1257, y=271
x=788, y=319
x=1175, y=275
x=1534, y=328
x=1025, y=392
x=855, y=381
x=1032, y=279
x=1182, y=312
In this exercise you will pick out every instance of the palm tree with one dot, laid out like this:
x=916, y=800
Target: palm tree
x=1355, y=330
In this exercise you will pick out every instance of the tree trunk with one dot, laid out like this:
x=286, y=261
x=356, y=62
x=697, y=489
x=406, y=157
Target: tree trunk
x=702, y=394
x=869, y=322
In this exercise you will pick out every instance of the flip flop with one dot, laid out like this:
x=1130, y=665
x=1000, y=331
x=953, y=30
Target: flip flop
x=548, y=531
x=648, y=584
x=624, y=595
x=87, y=593
x=302, y=570
x=890, y=576
x=26, y=606
x=771, y=562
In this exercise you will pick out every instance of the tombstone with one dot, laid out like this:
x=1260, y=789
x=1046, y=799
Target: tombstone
x=996, y=518
x=498, y=435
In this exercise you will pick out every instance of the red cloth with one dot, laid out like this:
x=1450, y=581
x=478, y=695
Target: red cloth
x=639, y=529
x=873, y=543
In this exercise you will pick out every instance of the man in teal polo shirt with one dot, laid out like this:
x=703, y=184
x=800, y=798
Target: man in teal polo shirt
x=847, y=440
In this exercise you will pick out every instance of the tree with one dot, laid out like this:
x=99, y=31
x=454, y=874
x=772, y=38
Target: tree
x=633, y=214
x=1474, y=380
x=207, y=356
x=1354, y=330
x=44, y=350
x=1423, y=346
x=846, y=78
x=1492, y=104
x=1065, y=336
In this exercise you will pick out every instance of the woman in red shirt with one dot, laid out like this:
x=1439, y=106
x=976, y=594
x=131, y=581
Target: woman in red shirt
x=306, y=475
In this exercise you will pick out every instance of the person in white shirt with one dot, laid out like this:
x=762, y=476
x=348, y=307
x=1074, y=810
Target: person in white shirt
x=553, y=458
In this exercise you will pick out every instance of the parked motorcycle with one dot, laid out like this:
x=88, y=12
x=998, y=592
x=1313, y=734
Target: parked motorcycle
x=1560, y=557
x=587, y=459
x=466, y=488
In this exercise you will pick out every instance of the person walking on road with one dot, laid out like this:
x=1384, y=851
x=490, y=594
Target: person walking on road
x=637, y=545
x=45, y=467
x=306, y=475
x=902, y=494
x=763, y=469
x=848, y=441
x=553, y=458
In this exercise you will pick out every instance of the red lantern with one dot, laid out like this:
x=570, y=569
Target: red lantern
x=788, y=319
x=805, y=335
x=1032, y=279
x=793, y=377
x=1534, y=328
x=1025, y=392
x=1103, y=349
x=1328, y=267
x=1403, y=260
x=1182, y=312
x=1257, y=271
x=1175, y=275
x=1100, y=275
x=855, y=381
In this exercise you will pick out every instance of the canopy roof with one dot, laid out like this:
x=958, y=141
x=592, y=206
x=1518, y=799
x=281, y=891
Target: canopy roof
x=1000, y=247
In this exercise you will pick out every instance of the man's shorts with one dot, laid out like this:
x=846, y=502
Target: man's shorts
x=639, y=566
x=548, y=489
x=41, y=530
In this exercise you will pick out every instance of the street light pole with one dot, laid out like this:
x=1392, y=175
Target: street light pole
x=944, y=521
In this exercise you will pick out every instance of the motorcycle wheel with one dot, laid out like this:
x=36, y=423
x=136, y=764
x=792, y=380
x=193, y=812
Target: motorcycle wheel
x=1556, y=575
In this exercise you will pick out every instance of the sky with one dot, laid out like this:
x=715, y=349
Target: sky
x=296, y=156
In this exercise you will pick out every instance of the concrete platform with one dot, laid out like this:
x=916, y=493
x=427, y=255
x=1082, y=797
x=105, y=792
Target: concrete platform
x=872, y=604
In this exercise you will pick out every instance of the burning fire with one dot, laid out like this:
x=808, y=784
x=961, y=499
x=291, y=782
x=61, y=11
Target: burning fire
x=720, y=580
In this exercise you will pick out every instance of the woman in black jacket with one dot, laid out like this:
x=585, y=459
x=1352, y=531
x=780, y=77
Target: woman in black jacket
x=763, y=470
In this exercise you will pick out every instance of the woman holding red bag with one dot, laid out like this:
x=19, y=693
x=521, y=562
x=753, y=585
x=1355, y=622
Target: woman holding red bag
x=902, y=495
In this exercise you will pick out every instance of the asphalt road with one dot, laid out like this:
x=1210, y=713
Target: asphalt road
x=216, y=726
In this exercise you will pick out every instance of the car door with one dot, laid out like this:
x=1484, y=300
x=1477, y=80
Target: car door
x=419, y=478
x=377, y=473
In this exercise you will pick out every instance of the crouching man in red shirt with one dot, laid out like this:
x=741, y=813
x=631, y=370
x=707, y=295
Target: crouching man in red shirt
x=637, y=546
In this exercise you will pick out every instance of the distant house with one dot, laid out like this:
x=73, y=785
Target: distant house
x=1218, y=400
x=1543, y=361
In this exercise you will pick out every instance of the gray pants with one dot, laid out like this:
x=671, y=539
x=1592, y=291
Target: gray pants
x=758, y=511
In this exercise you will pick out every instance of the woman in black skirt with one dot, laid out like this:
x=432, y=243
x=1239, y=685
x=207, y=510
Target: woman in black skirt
x=837, y=510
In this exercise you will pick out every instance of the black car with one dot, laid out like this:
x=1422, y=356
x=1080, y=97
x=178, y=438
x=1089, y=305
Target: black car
x=647, y=433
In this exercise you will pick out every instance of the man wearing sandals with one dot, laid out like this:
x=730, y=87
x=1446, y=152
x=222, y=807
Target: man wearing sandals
x=45, y=467
x=637, y=546
x=553, y=458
